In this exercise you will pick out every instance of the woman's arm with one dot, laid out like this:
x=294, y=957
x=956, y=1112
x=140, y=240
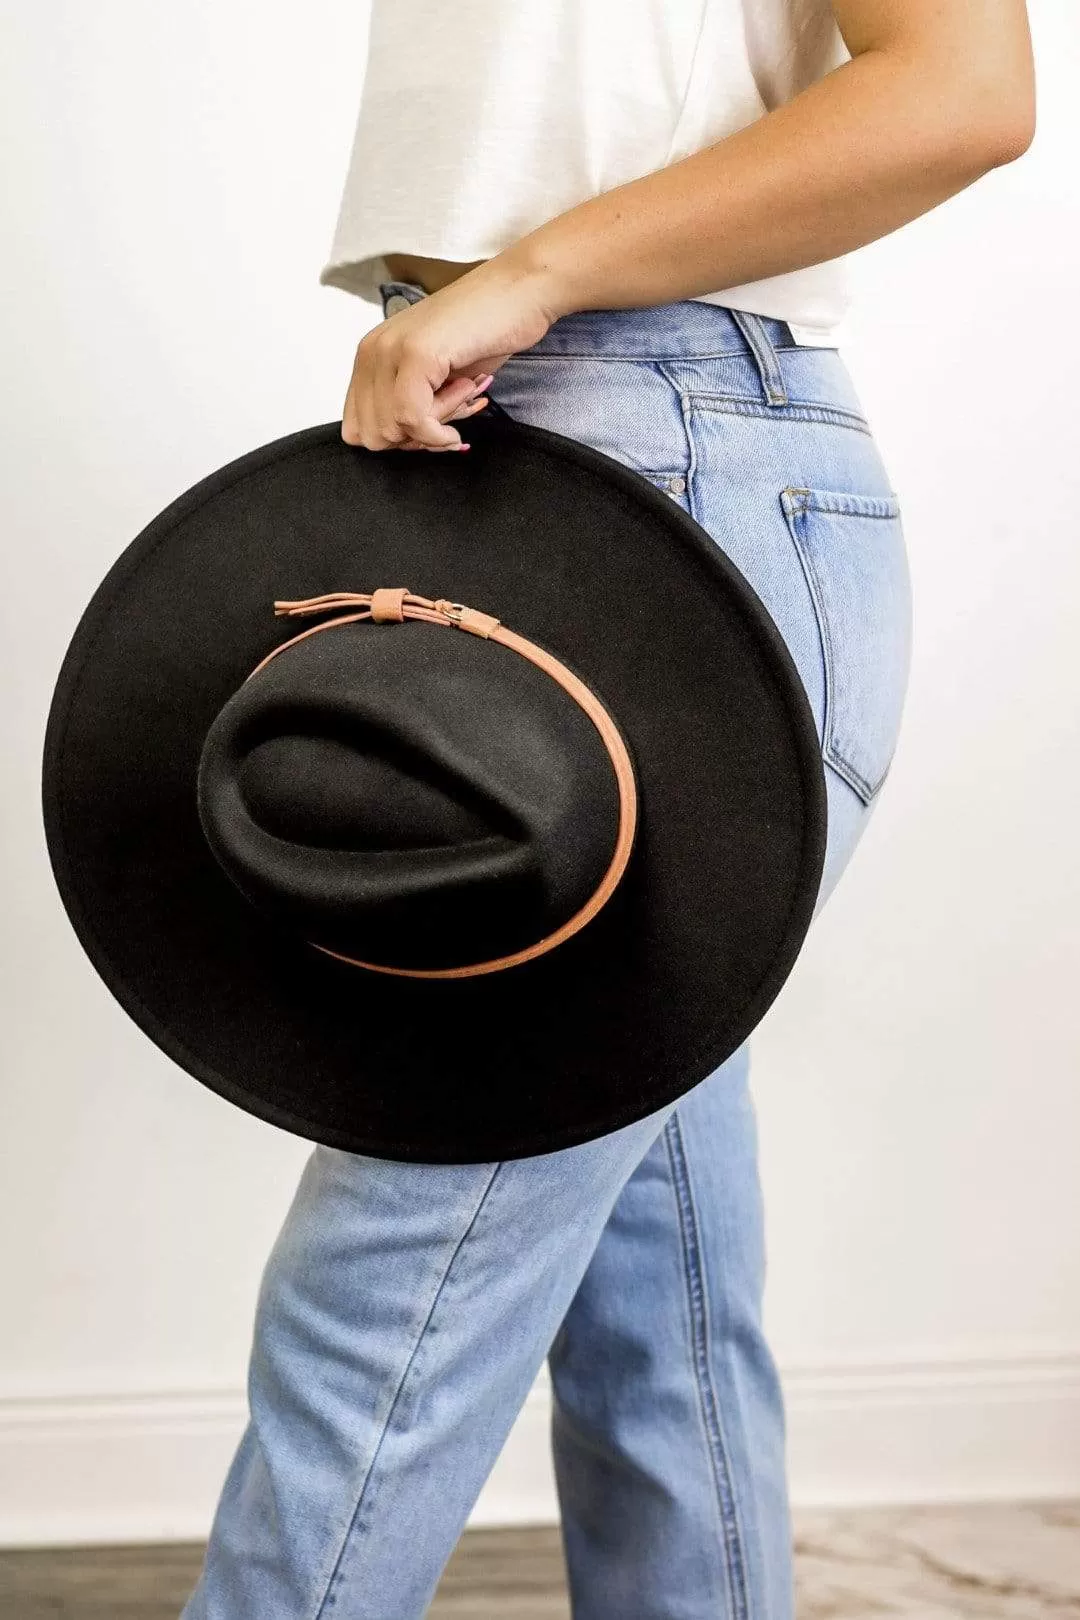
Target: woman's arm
x=937, y=92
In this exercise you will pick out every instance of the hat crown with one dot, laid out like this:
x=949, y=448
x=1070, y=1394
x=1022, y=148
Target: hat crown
x=408, y=797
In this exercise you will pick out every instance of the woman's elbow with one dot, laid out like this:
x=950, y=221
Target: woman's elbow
x=1011, y=131
x=999, y=124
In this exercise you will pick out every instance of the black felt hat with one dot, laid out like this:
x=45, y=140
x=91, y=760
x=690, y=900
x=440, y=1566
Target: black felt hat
x=422, y=880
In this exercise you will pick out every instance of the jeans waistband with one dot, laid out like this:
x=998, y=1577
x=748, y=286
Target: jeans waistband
x=687, y=329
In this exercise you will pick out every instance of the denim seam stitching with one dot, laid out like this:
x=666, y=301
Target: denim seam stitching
x=697, y=1300
x=843, y=503
x=795, y=506
x=691, y=446
x=793, y=411
x=650, y=358
x=329, y=1597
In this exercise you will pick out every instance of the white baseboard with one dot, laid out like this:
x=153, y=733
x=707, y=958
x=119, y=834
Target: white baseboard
x=90, y=1470
x=98, y=1469
x=948, y=1431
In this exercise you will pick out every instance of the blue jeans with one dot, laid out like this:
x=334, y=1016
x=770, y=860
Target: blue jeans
x=407, y=1308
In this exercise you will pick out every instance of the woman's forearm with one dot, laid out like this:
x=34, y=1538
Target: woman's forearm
x=936, y=93
x=939, y=92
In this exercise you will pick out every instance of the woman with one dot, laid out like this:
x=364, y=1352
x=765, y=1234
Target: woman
x=625, y=222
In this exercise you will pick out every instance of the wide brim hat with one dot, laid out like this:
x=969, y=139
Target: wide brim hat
x=416, y=893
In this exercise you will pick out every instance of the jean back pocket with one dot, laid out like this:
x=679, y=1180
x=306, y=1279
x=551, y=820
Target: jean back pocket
x=854, y=555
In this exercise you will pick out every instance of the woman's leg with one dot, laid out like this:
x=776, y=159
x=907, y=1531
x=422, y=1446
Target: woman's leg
x=668, y=1428
x=403, y=1316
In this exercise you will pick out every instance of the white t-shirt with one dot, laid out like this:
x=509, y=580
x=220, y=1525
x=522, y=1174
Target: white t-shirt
x=481, y=119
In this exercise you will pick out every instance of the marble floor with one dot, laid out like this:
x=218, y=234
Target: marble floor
x=1004, y=1562
x=944, y=1563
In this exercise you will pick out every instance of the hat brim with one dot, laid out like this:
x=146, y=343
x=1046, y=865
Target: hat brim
x=575, y=551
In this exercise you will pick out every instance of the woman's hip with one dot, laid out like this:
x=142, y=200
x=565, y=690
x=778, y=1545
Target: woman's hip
x=766, y=444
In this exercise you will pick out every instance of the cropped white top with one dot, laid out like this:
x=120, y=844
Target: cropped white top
x=481, y=119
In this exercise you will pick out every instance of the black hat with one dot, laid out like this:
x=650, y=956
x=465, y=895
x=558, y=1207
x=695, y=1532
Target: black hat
x=444, y=808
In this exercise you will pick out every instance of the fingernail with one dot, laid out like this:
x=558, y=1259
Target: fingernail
x=481, y=384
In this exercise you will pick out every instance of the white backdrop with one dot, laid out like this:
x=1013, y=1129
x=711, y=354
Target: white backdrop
x=173, y=177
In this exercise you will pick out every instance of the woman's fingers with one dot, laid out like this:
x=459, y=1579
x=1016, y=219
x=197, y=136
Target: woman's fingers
x=477, y=386
x=462, y=412
x=413, y=408
x=400, y=394
x=456, y=400
x=389, y=405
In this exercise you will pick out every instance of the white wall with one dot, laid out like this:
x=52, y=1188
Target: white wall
x=174, y=175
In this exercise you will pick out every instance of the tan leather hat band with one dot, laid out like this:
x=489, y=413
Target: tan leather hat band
x=394, y=606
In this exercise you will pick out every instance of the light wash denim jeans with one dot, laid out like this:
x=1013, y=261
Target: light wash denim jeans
x=407, y=1308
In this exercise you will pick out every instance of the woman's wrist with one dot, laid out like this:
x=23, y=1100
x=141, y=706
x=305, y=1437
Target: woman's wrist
x=540, y=263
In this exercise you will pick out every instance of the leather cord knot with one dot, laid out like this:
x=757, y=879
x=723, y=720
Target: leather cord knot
x=391, y=606
x=388, y=606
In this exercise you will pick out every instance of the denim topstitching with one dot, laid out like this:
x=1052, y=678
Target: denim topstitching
x=697, y=1300
x=333, y=1583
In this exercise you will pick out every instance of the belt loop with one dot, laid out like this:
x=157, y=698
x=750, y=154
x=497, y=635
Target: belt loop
x=398, y=295
x=762, y=348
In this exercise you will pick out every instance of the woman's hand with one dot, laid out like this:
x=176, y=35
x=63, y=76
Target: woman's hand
x=417, y=370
